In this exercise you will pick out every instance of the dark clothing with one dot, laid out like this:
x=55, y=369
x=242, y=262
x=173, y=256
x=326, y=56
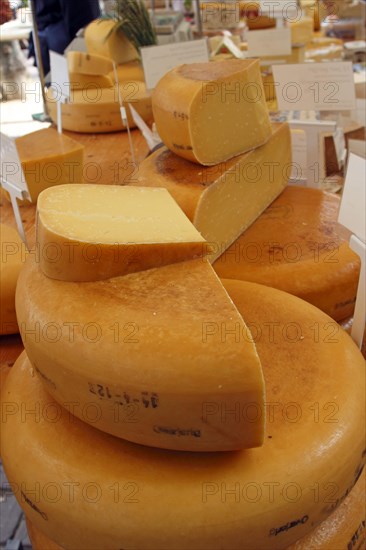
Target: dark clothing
x=58, y=22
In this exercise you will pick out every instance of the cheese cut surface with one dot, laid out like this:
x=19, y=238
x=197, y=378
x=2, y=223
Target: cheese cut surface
x=264, y=498
x=84, y=81
x=345, y=529
x=97, y=110
x=102, y=40
x=88, y=64
x=222, y=201
x=297, y=246
x=49, y=158
x=93, y=232
x=141, y=347
x=210, y=112
x=12, y=252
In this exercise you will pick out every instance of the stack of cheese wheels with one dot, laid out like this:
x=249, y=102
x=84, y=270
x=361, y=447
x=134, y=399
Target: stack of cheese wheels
x=298, y=246
x=11, y=260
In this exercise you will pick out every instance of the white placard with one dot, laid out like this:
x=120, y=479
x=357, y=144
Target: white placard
x=158, y=60
x=299, y=156
x=271, y=41
x=358, y=147
x=315, y=86
x=352, y=210
x=60, y=74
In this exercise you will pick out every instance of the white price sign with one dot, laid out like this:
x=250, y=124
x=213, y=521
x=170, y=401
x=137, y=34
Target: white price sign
x=272, y=41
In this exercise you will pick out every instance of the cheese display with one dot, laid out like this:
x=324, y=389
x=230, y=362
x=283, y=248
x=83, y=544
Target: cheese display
x=141, y=347
x=301, y=30
x=97, y=110
x=222, y=201
x=298, y=246
x=210, y=112
x=93, y=232
x=11, y=261
x=49, y=158
x=269, y=496
x=88, y=64
x=345, y=529
x=102, y=38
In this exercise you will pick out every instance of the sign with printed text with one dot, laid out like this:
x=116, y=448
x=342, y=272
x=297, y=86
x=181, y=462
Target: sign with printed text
x=60, y=73
x=315, y=86
x=11, y=167
x=299, y=156
x=158, y=60
x=352, y=210
x=269, y=42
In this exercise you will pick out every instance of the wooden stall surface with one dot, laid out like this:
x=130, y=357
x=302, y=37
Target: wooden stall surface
x=107, y=161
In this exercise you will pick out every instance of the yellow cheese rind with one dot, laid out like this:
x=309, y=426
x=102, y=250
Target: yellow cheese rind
x=38, y=540
x=11, y=255
x=48, y=159
x=296, y=245
x=88, y=64
x=264, y=498
x=93, y=232
x=222, y=201
x=210, y=112
x=102, y=39
x=151, y=356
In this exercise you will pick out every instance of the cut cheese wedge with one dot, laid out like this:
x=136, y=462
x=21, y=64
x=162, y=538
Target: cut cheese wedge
x=264, y=498
x=97, y=110
x=88, y=64
x=222, y=201
x=297, y=245
x=84, y=81
x=93, y=232
x=210, y=112
x=11, y=262
x=103, y=39
x=142, y=352
x=345, y=528
x=49, y=158
x=129, y=72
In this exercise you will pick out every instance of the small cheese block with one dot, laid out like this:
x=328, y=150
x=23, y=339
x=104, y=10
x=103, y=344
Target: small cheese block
x=129, y=72
x=98, y=110
x=302, y=30
x=48, y=159
x=106, y=490
x=222, y=201
x=83, y=81
x=88, y=64
x=11, y=255
x=142, y=347
x=254, y=17
x=297, y=245
x=210, y=112
x=103, y=39
x=93, y=232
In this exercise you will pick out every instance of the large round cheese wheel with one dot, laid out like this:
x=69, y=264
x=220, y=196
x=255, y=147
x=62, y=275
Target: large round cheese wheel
x=97, y=110
x=297, y=246
x=38, y=540
x=97, y=491
x=12, y=252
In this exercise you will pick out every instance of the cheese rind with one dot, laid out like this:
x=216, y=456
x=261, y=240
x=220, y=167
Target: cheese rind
x=210, y=112
x=222, y=201
x=296, y=245
x=88, y=64
x=48, y=159
x=93, y=232
x=102, y=39
x=10, y=266
x=228, y=501
x=141, y=347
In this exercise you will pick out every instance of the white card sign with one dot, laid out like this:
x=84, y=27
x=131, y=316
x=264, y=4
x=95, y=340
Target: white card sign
x=358, y=147
x=271, y=41
x=352, y=210
x=60, y=73
x=315, y=86
x=299, y=157
x=158, y=60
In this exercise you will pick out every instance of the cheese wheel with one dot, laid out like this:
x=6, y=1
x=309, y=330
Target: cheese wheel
x=97, y=110
x=102, y=38
x=222, y=201
x=297, y=246
x=345, y=529
x=49, y=158
x=86, y=489
x=95, y=232
x=210, y=112
x=11, y=261
x=139, y=350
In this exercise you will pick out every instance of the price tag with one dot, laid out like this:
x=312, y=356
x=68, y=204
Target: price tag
x=315, y=86
x=158, y=60
x=299, y=157
x=275, y=41
x=60, y=83
x=12, y=179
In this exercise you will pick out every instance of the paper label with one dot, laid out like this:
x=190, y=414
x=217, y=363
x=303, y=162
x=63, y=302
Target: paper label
x=158, y=60
x=11, y=167
x=60, y=74
x=352, y=210
x=269, y=42
x=315, y=86
x=358, y=147
x=299, y=156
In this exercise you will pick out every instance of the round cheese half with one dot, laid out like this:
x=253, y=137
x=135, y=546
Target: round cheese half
x=96, y=491
x=297, y=246
x=12, y=250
